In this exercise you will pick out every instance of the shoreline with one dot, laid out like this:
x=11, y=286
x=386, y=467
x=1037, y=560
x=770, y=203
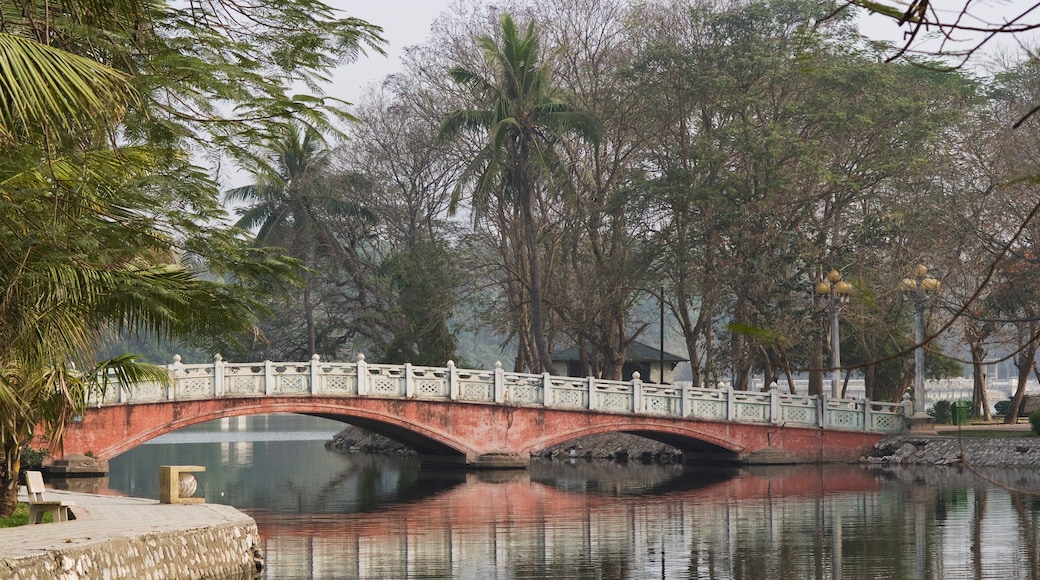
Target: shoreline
x=126, y=537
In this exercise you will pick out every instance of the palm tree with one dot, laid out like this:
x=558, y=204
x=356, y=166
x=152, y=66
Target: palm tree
x=295, y=205
x=523, y=120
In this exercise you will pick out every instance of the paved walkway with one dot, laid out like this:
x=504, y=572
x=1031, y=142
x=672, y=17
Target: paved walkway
x=101, y=518
x=1022, y=426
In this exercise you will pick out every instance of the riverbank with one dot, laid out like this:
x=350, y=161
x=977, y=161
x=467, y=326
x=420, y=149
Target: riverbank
x=123, y=537
x=1006, y=446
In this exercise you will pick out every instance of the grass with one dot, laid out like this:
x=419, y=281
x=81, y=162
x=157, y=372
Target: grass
x=20, y=517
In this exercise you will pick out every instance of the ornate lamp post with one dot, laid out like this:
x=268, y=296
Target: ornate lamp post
x=921, y=289
x=834, y=292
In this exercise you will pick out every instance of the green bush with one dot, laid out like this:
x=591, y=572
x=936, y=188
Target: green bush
x=1034, y=421
x=32, y=459
x=941, y=412
x=1002, y=408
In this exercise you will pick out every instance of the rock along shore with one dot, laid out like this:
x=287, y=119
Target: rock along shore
x=950, y=449
x=944, y=448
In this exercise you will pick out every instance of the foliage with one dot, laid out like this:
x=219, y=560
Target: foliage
x=105, y=220
x=33, y=458
x=517, y=166
x=1034, y=422
x=942, y=411
x=1002, y=407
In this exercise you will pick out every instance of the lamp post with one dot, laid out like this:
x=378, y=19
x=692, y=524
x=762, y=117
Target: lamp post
x=835, y=292
x=921, y=288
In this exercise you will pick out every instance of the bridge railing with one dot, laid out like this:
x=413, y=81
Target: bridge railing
x=497, y=386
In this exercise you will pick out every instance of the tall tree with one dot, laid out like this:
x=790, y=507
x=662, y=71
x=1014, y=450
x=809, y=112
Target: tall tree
x=300, y=204
x=518, y=109
x=103, y=214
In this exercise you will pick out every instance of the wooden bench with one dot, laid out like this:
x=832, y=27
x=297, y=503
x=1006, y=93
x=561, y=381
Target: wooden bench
x=38, y=505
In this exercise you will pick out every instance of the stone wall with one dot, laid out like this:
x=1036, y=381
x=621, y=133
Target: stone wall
x=221, y=551
x=976, y=451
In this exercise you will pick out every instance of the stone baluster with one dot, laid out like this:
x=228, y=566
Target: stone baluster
x=409, y=381
x=499, y=391
x=546, y=387
x=268, y=377
x=592, y=393
x=362, y=375
x=774, y=404
x=315, y=384
x=176, y=373
x=637, y=393
x=218, y=375
x=731, y=403
x=453, y=381
x=822, y=402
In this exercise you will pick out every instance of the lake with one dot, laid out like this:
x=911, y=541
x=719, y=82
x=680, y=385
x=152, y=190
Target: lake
x=326, y=515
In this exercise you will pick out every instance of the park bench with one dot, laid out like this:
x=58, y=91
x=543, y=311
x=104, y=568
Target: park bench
x=38, y=505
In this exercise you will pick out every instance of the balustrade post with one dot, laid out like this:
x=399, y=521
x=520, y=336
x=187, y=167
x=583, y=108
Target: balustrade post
x=315, y=361
x=683, y=404
x=453, y=381
x=268, y=377
x=592, y=393
x=731, y=403
x=774, y=405
x=218, y=375
x=822, y=402
x=409, y=381
x=499, y=391
x=362, y=375
x=637, y=393
x=908, y=408
x=546, y=385
x=867, y=412
x=176, y=372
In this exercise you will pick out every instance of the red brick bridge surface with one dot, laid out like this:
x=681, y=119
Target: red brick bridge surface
x=476, y=435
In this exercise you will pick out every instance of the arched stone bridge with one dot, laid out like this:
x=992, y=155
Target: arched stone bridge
x=493, y=418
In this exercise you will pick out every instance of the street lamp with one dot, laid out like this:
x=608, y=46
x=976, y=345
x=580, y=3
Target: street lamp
x=835, y=292
x=921, y=288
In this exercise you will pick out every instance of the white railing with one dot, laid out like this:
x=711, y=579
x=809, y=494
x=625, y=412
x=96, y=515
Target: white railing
x=361, y=379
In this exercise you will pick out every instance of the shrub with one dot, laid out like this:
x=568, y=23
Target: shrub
x=941, y=412
x=32, y=459
x=1034, y=421
x=1002, y=408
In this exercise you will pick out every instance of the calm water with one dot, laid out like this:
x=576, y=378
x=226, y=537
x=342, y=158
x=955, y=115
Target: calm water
x=324, y=515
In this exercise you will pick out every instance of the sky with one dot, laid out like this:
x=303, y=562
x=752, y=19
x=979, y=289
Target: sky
x=407, y=23
x=404, y=22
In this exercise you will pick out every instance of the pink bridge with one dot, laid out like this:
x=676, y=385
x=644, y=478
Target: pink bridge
x=491, y=419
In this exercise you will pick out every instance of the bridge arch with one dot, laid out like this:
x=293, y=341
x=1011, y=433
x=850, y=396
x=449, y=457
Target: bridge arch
x=142, y=424
x=689, y=438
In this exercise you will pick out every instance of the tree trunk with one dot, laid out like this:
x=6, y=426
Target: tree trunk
x=12, y=461
x=816, y=368
x=1025, y=362
x=980, y=399
x=308, y=312
x=542, y=357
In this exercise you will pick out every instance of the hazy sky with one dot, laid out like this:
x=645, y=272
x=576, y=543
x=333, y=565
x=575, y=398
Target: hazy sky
x=405, y=23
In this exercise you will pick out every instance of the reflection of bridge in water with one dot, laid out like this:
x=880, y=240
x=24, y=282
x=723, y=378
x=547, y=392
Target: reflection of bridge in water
x=491, y=418
x=524, y=520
